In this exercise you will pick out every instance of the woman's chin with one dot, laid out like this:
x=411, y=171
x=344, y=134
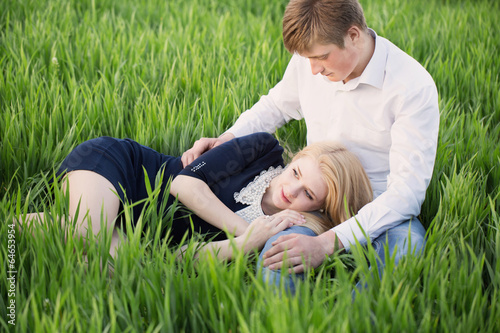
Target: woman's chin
x=279, y=205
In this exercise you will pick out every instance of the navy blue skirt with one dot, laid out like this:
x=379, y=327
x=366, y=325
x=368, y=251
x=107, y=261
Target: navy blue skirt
x=123, y=162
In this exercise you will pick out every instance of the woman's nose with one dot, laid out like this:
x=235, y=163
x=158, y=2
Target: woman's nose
x=294, y=190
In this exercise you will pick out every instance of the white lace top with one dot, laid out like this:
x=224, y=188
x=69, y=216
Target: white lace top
x=252, y=194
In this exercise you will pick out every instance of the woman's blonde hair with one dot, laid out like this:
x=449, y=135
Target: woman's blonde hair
x=349, y=188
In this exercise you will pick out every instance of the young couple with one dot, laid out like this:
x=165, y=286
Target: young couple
x=241, y=187
x=351, y=86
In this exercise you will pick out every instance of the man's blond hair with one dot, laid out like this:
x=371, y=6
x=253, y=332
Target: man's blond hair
x=307, y=22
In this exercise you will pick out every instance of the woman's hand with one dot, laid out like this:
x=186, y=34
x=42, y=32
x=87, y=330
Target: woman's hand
x=254, y=237
x=264, y=227
x=293, y=216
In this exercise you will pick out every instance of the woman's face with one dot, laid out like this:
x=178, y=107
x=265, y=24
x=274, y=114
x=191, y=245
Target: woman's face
x=300, y=187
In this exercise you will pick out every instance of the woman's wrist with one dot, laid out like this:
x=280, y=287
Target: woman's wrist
x=246, y=242
x=241, y=228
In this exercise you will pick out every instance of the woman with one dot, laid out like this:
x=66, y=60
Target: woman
x=239, y=182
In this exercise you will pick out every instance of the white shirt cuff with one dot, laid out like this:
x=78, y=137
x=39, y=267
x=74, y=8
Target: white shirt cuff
x=348, y=232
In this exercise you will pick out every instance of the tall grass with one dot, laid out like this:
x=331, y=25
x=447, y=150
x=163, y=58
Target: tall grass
x=165, y=73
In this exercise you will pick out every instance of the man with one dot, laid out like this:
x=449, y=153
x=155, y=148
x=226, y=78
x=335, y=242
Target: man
x=352, y=86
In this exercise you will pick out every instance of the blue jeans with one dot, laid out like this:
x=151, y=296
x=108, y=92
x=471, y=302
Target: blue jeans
x=395, y=239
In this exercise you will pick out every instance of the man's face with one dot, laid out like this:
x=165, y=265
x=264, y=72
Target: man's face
x=335, y=63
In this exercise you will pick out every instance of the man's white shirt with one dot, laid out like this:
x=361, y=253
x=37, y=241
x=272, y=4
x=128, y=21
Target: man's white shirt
x=388, y=117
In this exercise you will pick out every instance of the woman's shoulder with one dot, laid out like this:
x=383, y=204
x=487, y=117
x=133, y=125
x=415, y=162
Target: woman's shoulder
x=260, y=138
x=260, y=135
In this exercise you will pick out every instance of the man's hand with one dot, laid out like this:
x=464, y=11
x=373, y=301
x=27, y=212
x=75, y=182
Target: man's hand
x=300, y=250
x=202, y=145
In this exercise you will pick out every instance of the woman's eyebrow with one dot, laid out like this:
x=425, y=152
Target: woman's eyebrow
x=309, y=189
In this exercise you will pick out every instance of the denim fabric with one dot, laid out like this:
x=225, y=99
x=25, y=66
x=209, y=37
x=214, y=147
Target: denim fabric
x=274, y=276
x=395, y=239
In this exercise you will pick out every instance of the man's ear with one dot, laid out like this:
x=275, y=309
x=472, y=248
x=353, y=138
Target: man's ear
x=353, y=34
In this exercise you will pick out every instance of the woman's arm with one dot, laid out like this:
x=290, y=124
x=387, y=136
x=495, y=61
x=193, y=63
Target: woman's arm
x=194, y=184
x=254, y=237
x=197, y=196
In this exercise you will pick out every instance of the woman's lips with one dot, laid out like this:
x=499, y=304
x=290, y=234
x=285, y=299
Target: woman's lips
x=283, y=197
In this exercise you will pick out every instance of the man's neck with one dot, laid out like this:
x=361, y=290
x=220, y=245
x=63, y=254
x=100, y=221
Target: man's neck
x=366, y=53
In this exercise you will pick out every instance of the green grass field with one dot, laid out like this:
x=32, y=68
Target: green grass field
x=165, y=73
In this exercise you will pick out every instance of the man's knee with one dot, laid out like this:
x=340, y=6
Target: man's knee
x=406, y=238
x=296, y=229
x=275, y=277
x=412, y=239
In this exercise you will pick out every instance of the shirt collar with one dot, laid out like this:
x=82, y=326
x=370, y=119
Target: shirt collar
x=374, y=72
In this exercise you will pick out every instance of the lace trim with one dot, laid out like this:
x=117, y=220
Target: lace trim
x=252, y=194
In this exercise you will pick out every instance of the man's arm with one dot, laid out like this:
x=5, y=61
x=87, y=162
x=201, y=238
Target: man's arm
x=272, y=111
x=202, y=145
x=275, y=109
x=412, y=155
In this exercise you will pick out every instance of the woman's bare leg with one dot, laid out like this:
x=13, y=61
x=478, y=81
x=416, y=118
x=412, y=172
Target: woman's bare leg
x=96, y=198
x=29, y=219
